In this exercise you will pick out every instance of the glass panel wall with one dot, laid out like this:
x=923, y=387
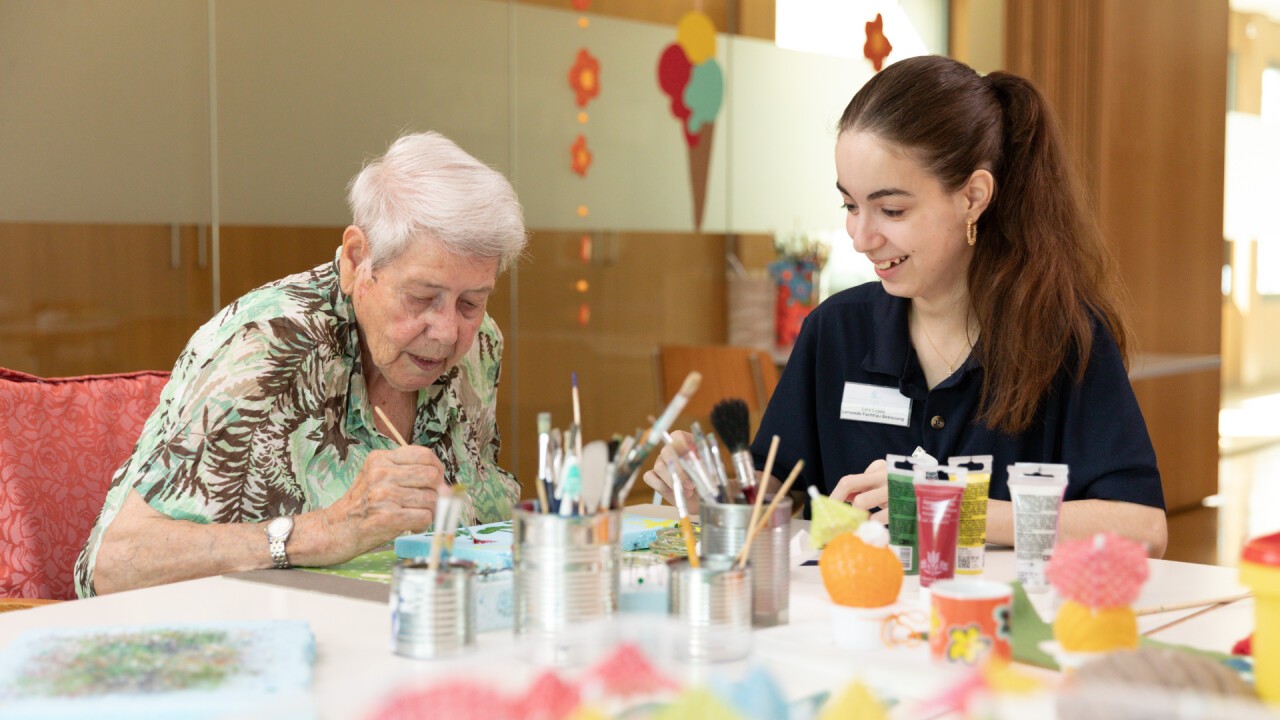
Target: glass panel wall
x=104, y=188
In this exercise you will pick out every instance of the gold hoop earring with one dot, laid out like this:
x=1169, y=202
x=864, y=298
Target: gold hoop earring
x=971, y=232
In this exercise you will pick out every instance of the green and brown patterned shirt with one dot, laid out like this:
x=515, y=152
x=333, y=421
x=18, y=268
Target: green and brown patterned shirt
x=267, y=414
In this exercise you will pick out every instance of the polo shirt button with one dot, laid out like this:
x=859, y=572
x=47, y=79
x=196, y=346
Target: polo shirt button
x=937, y=422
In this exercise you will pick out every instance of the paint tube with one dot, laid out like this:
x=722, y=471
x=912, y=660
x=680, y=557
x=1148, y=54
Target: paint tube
x=938, y=523
x=1036, y=491
x=971, y=547
x=902, y=509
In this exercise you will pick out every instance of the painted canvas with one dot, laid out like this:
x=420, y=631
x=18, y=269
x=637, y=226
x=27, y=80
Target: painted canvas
x=206, y=670
x=489, y=546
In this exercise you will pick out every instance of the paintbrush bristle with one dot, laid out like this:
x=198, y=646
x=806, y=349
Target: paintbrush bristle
x=732, y=420
x=544, y=422
x=691, y=384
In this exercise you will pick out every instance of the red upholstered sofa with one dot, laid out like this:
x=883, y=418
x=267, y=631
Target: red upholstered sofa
x=61, y=440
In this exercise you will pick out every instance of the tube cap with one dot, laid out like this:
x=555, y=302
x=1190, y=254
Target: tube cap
x=1263, y=550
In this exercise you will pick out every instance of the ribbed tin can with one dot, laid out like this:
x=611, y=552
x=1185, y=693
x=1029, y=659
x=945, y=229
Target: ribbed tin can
x=724, y=531
x=712, y=605
x=566, y=572
x=432, y=615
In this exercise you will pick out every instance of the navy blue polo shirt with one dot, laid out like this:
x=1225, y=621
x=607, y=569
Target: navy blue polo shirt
x=860, y=336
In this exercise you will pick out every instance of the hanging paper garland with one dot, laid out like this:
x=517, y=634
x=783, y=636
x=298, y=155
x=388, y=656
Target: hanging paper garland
x=584, y=77
x=581, y=156
x=877, y=47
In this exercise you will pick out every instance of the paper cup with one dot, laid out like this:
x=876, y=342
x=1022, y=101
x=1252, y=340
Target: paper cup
x=970, y=621
x=860, y=629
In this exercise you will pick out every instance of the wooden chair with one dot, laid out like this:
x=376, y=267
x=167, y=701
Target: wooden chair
x=746, y=373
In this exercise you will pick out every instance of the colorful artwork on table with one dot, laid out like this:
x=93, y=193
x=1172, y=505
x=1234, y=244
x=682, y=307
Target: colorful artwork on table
x=877, y=47
x=170, y=671
x=372, y=567
x=690, y=76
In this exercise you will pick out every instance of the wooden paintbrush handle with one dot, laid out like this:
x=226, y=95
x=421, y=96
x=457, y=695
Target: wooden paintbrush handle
x=686, y=529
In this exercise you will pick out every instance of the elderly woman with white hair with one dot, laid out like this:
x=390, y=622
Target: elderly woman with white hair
x=266, y=450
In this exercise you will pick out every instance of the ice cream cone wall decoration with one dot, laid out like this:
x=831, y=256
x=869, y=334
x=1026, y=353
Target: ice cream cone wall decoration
x=690, y=76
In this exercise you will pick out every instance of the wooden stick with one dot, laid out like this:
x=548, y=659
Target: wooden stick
x=686, y=529
x=395, y=434
x=764, y=484
x=764, y=520
x=542, y=496
x=577, y=403
x=1155, y=609
x=1185, y=618
x=438, y=531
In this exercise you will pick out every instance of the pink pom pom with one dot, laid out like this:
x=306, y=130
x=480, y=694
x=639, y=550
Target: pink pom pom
x=1105, y=571
x=549, y=698
x=459, y=700
x=627, y=673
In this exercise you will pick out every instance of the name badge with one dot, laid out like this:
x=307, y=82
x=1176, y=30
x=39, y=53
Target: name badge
x=873, y=403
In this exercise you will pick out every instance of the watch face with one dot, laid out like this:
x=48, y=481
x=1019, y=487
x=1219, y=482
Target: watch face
x=279, y=527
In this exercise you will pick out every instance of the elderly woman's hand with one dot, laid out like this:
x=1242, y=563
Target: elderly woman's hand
x=659, y=478
x=394, y=492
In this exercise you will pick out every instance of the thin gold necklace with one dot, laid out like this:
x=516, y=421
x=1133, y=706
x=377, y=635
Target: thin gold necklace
x=964, y=352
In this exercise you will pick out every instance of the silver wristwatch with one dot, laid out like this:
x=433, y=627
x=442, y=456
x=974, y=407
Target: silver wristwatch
x=277, y=535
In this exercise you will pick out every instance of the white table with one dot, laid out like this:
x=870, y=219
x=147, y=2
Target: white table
x=355, y=667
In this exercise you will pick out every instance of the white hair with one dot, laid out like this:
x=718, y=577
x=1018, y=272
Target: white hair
x=425, y=183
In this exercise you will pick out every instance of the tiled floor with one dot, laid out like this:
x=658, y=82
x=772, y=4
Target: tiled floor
x=1248, y=500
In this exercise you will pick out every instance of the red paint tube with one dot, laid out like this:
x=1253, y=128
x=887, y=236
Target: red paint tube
x=937, y=527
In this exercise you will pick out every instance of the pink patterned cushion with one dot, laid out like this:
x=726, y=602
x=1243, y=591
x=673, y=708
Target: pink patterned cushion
x=61, y=440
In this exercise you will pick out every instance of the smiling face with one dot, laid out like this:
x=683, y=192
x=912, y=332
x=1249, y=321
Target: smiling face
x=419, y=313
x=906, y=223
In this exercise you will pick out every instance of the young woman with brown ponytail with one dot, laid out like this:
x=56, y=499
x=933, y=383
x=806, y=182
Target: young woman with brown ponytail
x=997, y=327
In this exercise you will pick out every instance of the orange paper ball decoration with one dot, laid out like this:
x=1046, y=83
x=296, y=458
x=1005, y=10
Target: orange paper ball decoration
x=860, y=575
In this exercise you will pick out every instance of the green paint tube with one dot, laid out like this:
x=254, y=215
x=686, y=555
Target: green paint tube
x=902, y=508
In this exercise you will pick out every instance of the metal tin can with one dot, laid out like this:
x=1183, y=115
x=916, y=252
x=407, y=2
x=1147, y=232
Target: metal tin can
x=724, y=531
x=432, y=614
x=566, y=575
x=712, y=604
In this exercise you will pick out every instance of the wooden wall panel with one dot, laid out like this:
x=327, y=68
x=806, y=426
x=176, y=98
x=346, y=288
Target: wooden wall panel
x=83, y=299
x=254, y=255
x=1184, y=436
x=642, y=290
x=1140, y=86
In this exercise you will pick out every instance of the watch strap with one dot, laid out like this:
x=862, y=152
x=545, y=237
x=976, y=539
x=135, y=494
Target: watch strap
x=278, y=556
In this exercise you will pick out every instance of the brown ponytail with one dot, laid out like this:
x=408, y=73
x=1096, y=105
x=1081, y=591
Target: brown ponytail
x=1040, y=272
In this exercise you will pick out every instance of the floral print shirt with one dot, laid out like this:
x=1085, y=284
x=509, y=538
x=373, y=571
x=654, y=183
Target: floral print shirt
x=267, y=414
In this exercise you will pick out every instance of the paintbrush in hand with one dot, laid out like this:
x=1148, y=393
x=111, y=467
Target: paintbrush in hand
x=636, y=456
